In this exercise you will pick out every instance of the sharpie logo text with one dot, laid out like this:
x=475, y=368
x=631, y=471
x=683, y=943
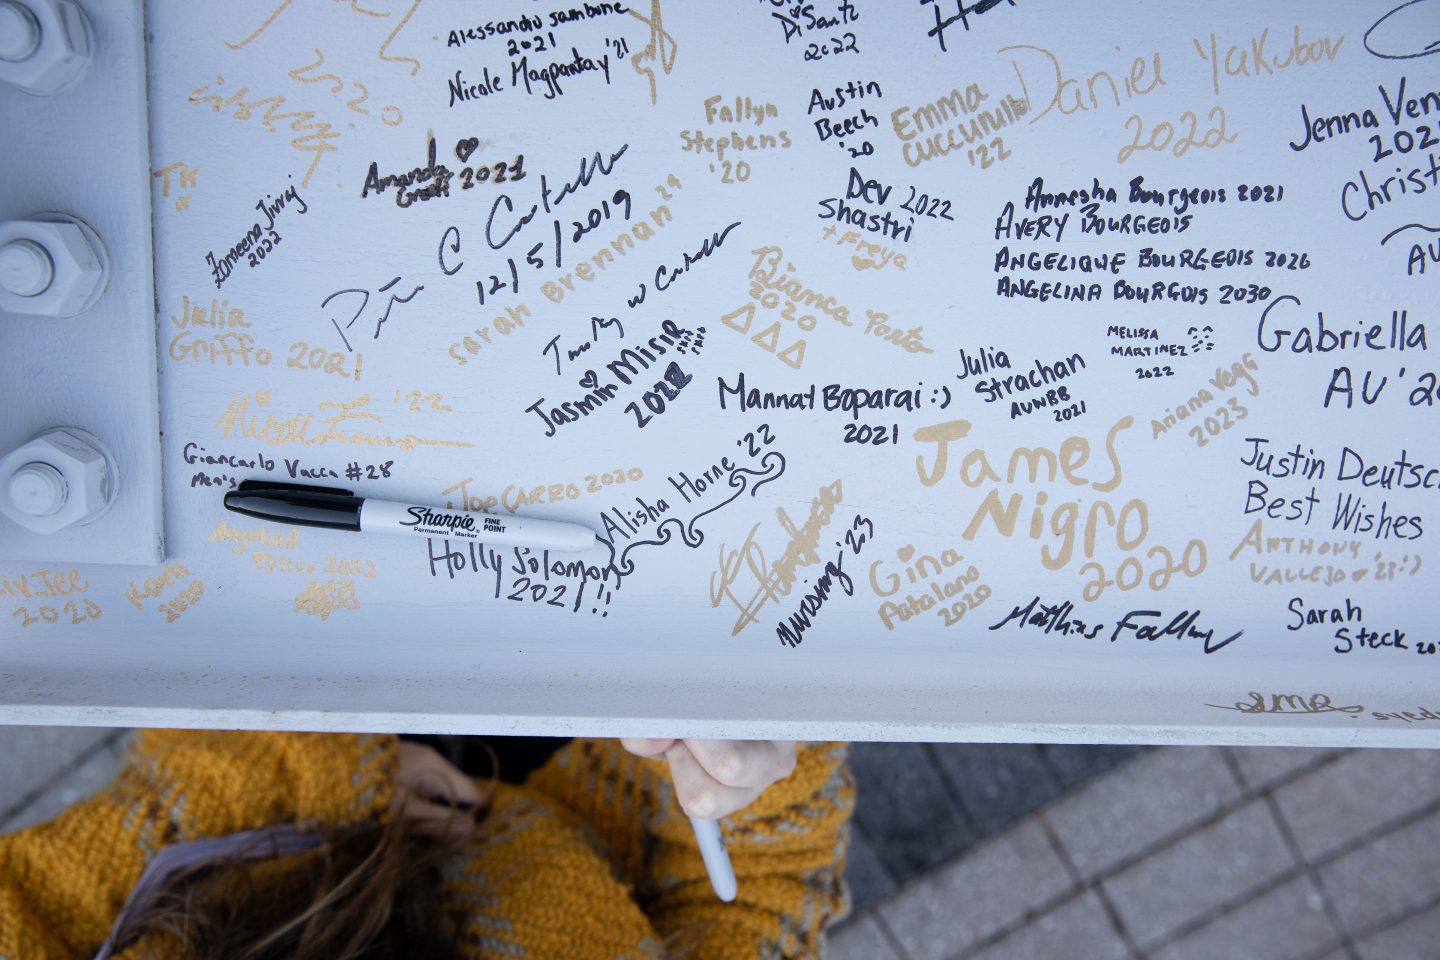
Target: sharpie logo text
x=429, y=518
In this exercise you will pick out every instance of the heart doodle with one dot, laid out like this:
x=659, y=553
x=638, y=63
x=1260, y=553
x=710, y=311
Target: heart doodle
x=465, y=148
x=906, y=552
x=590, y=381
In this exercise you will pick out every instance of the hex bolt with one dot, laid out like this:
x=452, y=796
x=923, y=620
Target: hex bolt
x=64, y=477
x=37, y=490
x=45, y=45
x=25, y=268
x=51, y=265
x=19, y=33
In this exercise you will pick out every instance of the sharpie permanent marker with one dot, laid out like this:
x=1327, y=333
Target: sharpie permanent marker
x=310, y=506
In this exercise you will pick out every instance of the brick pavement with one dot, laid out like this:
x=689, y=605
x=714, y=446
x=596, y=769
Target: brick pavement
x=45, y=769
x=1189, y=853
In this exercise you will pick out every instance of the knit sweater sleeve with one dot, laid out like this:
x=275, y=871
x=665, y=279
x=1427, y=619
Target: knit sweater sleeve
x=788, y=849
x=63, y=882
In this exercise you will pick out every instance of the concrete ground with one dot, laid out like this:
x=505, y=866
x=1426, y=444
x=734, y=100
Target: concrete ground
x=997, y=852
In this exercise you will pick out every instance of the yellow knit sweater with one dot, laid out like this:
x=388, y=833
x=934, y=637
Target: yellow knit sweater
x=591, y=858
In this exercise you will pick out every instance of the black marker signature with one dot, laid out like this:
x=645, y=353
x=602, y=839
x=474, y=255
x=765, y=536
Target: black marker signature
x=1406, y=30
x=1408, y=226
x=773, y=463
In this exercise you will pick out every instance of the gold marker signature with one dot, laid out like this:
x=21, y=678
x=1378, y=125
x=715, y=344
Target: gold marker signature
x=774, y=581
x=354, y=6
x=238, y=419
x=655, y=50
x=321, y=599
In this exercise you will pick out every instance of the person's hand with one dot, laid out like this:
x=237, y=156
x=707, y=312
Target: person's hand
x=715, y=778
x=433, y=793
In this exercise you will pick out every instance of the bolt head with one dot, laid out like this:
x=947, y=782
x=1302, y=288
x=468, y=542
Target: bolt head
x=77, y=262
x=30, y=494
x=61, y=44
x=25, y=268
x=19, y=33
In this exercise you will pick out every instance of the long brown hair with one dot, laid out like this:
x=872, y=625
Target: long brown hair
x=370, y=891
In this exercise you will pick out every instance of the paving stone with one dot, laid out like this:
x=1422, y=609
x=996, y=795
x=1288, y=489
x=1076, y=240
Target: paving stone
x=977, y=896
x=1165, y=791
x=35, y=755
x=1361, y=791
x=1075, y=930
x=866, y=875
x=1075, y=763
x=94, y=773
x=1415, y=937
x=1283, y=924
x=998, y=783
x=912, y=820
x=1264, y=766
x=1242, y=851
x=1387, y=878
x=860, y=939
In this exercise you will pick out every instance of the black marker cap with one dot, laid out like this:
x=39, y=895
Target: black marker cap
x=308, y=506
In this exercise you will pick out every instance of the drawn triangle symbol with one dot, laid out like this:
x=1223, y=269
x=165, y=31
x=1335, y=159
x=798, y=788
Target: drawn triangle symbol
x=794, y=354
x=769, y=338
x=729, y=319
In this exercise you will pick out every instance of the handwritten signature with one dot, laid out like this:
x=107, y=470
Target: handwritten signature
x=1399, y=32
x=354, y=6
x=773, y=581
x=661, y=48
x=1289, y=703
x=239, y=420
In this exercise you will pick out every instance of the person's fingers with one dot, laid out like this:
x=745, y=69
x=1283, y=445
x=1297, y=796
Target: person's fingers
x=435, y=819
x=745, y=763
x=701, y=795
x=423, y=771
x=715, y=778
x=647, y=746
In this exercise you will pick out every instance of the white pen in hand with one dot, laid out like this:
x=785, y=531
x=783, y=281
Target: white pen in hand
x=717, y=861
